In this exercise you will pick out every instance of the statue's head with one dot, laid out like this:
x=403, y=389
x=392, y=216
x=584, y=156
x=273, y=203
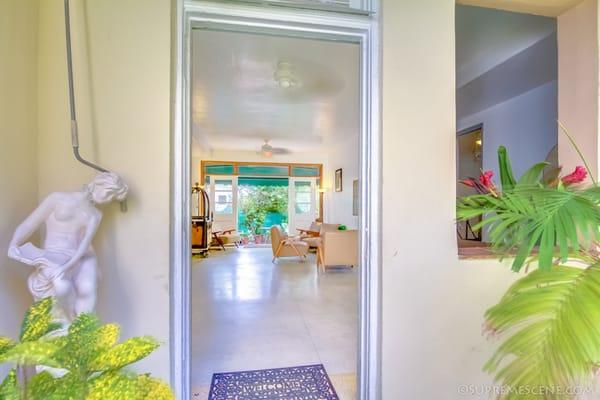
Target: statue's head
x=107, y=187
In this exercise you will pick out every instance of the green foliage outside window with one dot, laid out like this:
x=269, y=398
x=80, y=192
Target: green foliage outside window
x=257, y=202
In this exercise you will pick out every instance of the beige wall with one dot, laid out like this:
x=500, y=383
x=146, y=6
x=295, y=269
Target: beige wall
x=433, y=305
x=578, y=84
x=125, y=76
x=18, y=148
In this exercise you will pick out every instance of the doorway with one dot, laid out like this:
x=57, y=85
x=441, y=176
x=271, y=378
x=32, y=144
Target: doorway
x=359, y=30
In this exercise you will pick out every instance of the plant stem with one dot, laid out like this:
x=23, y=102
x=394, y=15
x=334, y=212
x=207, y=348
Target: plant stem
x=566, y=132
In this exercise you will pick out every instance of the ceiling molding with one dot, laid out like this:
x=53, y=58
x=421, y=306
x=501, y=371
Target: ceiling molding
x=548, y=8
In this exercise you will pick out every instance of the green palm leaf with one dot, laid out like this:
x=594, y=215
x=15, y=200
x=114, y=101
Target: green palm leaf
x=553, y=320
x=506, y=173
x=554, y=221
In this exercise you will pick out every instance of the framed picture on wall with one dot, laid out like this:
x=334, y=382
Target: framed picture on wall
x=338, y=180
x=355, y=198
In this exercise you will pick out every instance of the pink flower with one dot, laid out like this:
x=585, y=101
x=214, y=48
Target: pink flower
x=486, y=179
x=576, y=176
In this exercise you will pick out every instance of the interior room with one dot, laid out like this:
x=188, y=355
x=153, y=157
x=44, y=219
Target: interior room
x=506, y=95
x=275, y=142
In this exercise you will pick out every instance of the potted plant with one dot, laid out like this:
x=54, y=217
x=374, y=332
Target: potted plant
x=87, y=363
x=550, y=317
x=245, y=239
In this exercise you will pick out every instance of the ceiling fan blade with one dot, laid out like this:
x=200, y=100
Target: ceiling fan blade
x=280, y=150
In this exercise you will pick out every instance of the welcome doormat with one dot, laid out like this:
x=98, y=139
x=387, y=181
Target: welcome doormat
x=309, y=382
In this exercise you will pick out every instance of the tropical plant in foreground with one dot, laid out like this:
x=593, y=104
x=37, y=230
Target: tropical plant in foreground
x=551, y=316
x=86, y=363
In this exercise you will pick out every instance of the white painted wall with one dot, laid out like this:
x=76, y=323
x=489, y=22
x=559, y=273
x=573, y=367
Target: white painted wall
x=123, y=89
x=516, y=98
x=433, y=304
x=578, y=84
x=18, y=149
x=343, y=155
x=487, y=37
x=525, y=124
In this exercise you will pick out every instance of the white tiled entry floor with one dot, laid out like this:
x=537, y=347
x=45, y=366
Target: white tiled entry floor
x=248, y=313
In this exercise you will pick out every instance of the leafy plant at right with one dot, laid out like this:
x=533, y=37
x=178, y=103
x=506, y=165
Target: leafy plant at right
x=550, y=318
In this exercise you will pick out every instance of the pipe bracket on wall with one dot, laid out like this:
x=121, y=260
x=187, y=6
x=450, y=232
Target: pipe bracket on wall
x=74, y=129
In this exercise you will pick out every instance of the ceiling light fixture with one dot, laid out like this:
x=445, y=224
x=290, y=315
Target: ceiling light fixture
x=284, y=76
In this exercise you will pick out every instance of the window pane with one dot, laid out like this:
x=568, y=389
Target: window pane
x=224, y=208
x=223, y=196
x=302, y=186
x=224, y=169
x=302, y=208
x=305, y=171
x=223, y=185
x=264, y=170
x=302, y=197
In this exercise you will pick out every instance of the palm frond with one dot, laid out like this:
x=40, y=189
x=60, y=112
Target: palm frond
x=558, y=222
x=553, y=321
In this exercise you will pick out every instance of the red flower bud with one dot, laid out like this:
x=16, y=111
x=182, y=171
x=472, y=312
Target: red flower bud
x=468, y=182
x=576, y=176
x=486, y=179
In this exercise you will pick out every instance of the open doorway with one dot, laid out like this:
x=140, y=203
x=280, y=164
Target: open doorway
x=277, y=295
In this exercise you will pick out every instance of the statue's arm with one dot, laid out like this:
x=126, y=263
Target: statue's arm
x=86, y=241
x=33, y=222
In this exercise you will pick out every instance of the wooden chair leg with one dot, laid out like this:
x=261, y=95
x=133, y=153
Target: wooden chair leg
x=276, y=255
x=302, y=258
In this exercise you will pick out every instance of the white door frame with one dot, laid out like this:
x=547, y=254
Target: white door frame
x=318, y=24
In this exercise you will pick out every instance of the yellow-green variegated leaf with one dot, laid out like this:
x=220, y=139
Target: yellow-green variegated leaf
x=115, y=386
x=37, y=321
x=44, y=386
x=155, y=389
x=123, y=354
x=9, y=388
x=81, y=343
x=5, y=345
x=32, y=353
x=552, y=319
x=107, y=336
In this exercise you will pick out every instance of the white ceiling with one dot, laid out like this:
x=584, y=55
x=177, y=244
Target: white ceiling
x=237, y=103
x=550, y=8
x=487, y=37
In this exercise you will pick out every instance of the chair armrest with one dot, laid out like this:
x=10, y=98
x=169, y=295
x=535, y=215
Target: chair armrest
x=308, y=232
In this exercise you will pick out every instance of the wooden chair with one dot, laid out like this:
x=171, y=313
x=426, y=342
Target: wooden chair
x=284, y=246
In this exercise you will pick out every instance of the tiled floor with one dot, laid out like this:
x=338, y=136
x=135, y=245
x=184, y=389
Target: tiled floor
x=251, y=314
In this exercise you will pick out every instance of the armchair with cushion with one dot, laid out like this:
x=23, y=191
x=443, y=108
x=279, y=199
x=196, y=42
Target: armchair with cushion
x=338, y=248
x=314, y=241
x=284, y=246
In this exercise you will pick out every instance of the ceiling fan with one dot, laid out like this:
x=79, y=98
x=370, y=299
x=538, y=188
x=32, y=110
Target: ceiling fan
x=268, y=151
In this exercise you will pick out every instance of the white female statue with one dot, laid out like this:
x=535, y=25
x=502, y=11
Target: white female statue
x=66, y=267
